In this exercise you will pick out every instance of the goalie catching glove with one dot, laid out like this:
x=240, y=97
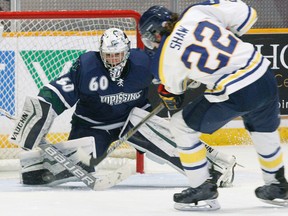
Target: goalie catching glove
x=171, y=101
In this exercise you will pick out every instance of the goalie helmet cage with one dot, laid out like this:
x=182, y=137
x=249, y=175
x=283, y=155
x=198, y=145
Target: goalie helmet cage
x=37, y=47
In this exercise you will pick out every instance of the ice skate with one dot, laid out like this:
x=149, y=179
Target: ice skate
x=202, y=198
x=276, y=194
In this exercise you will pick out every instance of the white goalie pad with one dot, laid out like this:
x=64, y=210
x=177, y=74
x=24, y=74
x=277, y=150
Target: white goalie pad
x=33, y=124
x=30, y=160
x=155, y=129
x=154, y=138
x=39, y=168
x=37, y=159
x=72, y=149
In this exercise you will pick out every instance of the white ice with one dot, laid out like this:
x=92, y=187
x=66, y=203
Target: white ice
x=140, y=195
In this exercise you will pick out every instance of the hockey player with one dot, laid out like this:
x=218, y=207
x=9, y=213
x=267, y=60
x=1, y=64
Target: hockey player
x=202, y=44
x=105, y=86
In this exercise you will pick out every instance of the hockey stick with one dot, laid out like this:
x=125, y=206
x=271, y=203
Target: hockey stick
x=129, y=134
x=100, y=182
x=74, y=169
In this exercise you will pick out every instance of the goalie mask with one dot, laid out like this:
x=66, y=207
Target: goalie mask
x=114, y=51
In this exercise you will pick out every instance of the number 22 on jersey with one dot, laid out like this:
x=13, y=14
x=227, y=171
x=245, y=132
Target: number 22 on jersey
x=213, y=45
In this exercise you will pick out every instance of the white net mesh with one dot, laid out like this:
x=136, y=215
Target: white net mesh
x=34, y=51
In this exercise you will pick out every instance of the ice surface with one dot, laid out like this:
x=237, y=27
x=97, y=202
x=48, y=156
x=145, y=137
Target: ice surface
x=141, y=195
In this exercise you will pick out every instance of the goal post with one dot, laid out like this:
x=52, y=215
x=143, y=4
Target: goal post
x=38, y=46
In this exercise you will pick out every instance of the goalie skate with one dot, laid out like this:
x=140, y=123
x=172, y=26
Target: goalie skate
x=202, y=198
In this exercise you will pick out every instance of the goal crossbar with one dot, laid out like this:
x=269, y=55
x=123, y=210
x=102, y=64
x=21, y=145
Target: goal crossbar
x=30, y=36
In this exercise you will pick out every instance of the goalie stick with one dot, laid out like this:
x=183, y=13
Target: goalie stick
x=95, y=183
x=74, y=169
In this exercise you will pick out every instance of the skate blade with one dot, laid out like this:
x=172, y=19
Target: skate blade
x=205, y=205
x=278, y=202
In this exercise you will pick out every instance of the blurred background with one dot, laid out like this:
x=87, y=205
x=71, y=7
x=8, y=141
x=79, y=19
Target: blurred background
x=272, y=13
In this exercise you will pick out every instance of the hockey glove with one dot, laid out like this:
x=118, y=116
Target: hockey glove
x=171, y=101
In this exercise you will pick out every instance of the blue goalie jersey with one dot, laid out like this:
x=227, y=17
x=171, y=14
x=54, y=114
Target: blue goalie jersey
x=100, y=102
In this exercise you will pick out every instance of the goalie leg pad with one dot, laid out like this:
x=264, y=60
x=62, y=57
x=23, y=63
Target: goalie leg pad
x=221, y=166
x=155, y=139
x=33, y=124
x=39, y=168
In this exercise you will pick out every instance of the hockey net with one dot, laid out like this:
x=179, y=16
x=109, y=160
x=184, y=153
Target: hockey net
x=37, y=47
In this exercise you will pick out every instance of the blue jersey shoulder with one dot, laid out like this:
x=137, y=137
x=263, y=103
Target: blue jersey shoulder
x=139, y=57
x=91, y=67
x=140, y=70
x=90, y=61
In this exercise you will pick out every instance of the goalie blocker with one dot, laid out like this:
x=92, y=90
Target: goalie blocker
x=154, y=138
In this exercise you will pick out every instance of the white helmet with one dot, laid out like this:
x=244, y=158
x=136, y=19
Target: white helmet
x=114, y=51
